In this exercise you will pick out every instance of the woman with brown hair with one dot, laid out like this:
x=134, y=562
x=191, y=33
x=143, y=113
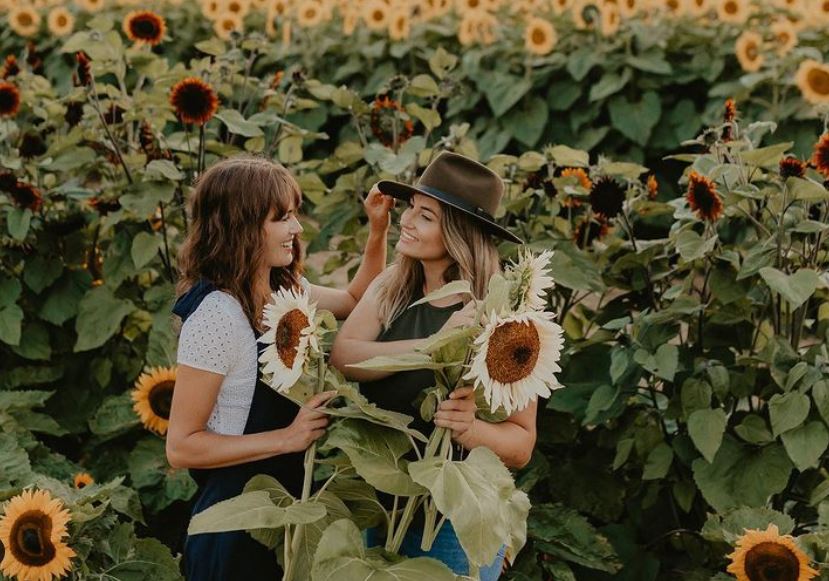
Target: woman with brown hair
x=446, y=233
x=226, y=424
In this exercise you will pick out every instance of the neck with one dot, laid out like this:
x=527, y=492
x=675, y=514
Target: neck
x=433, y=273
x=262, y=285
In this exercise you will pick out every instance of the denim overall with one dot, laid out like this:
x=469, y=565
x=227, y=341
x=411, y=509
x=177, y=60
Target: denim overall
x=236, y=555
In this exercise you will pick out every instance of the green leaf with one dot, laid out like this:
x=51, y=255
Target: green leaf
x=377, y=455
x=806, y=444
x=787, y=411
x=290, y=149
x=527, y=122
x=395, y=363
x=423, y=86
x=18, y=222
x=71, y=159
x=753, y=429
x=695, y=395
x=568, y=157
x=706, y=428
x=442, y=62
x=41, y=271
x=360, y=408
x=456, y=287
x=806, y=189
x=342, y=556
x=144, y=248
x=609, y=84
x=237, y=124
x=663, y=363
x=215, y=46
x=253, y=510
x=162, y=168
x=429, y=117
x=64, y=297
x=114, y=416
x=11, y=324
x=636, y=120
x=767, y=157
x=692, y=246
x=479, y=498
x=503, y=91
x=14, y=462
x=565, y=534
x=795, y=288
x=658, y=462
x=820, y=393
x=34, y=342
x=729, y=527
x=99, y=317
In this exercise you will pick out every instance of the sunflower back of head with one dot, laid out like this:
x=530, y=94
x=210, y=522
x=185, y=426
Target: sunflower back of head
x=225, y=245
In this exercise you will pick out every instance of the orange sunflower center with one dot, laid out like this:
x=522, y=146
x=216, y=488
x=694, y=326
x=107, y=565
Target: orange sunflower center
x=30, y=539
x=772, y=562
x=513, y=351
x=539, y=36
x=731, y=8
x=25, y=19
x=818, y=80
x=751, y=51
x=288, y=332
x=161, y=399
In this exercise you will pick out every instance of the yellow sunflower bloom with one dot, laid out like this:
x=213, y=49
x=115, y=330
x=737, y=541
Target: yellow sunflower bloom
x=82, y=480
x=749, y=51
x=210, y=8
x=309, y=13
x=820, y=10
x=630, y=8
x=240, y=7
x=561, y=6
x=812, y=78
x=400, y=24
x=60, y=21
x=376, y=14
x=432, y=9
x=90, y=5
x=734, y=11
x=610, y=19
x=32, y=531
x=226, y=23
x=785, y=35
x=769, y=555
x=539, y=36
x=699, y=7
x=24, y=20
x=153, y=396
x=351, y=18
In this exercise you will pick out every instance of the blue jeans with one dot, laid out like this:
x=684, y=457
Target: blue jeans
x=446, y=549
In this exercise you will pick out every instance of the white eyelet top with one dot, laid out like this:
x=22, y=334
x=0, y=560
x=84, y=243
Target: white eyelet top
x=217, y=337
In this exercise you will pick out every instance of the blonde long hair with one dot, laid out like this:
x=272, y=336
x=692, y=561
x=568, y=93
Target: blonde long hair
x=475, y=259
x=226, y=242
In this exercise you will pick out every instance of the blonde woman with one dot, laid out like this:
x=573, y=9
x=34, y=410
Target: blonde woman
x=446, y=234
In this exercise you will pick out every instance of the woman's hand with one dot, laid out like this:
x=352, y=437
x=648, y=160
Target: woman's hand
x=458, y=414
x=309, y=424
x=377, y=207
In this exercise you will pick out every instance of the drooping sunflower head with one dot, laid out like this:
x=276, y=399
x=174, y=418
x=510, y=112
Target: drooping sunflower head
x=792, y=167
x=539, y=36
x=32, y=531
x=144, y=27
x=516, y=359
x=589, y=230
x=153, y=397
x=9, y=99
x=82, y=480
x=703, y=197
x=26, y=196
x=531, y=280
x=10, y=67
x=820, y=156
x=194, y=101
x=607, y=197
x=290, y=338
x=812, y=78
x=749, y=49
x=389, y=122
x=767, y=555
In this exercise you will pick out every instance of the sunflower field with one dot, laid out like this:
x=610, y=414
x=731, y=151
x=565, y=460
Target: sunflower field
x=673, y=154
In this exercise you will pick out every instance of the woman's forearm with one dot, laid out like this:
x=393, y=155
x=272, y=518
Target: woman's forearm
x=510, y=442
x=348, y=351
x=372, y=264
x=205, y=449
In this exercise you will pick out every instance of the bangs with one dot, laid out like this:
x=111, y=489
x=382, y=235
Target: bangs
x=283, y=191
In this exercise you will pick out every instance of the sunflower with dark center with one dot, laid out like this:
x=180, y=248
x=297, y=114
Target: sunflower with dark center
x=288, y=332
x=703, y=197
x=9, y=99
x=144, y=26
x=83, y=73
x=588, y=231
x=820, y=156
x=32, y=531
x=537, y=181
x=153, y=397
x=729, y=118
x=516, y=358
x=769, y=556
x=194, y=101
x=104, y=205
x=32, y=146
x=114, y=114
x=10, y=67
x=386, y=113
x=82, y=480
x=8, y=182
x=607, y=197
x=26, y=196
x=792, y=167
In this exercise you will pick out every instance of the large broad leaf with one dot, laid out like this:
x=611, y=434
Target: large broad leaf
x=14, y=462
x=456, y=287
x=359, y=407
x=787, y=411
x=395, y=363
x=376, y=452
x=503, y=91
x=564, y=533
x=706, y=428
x=253, y=510
x=342, y=556
x=636, y=120
x=742, y=476
x=479, y=497
x=99, y=317
x=22, y=400
x=361, y=499
x=806, y=444
x=729, y=527
x=795, y=288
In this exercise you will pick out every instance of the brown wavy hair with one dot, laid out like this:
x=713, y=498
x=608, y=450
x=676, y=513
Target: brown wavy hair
x=226, y=242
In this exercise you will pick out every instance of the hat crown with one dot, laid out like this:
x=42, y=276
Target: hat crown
x=466, y=179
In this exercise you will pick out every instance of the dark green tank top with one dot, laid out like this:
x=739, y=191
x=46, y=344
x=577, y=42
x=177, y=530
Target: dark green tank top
x=399, y=391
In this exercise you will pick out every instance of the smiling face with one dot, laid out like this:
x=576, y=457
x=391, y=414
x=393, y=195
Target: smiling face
x=281, y=237
x=421, y=234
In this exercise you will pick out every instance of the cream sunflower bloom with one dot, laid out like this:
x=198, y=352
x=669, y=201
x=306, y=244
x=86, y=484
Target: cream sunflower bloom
x=516, y=358
x=531, y=275
x=290, y=339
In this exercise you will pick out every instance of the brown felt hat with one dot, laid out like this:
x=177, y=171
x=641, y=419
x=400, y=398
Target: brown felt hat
x=461, y=183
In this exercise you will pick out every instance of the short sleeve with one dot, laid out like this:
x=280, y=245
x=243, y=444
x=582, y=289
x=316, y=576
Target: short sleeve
x=303, y=282
x=207, y=339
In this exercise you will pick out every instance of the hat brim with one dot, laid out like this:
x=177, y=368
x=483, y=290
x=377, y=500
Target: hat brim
x=405, y=191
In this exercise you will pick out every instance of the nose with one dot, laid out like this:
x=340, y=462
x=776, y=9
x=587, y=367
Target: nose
x=296, y=227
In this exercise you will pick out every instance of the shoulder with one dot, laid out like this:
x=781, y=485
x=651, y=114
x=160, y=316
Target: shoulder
x=219, y=307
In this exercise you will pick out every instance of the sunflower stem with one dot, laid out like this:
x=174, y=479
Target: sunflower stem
x=201, y=149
